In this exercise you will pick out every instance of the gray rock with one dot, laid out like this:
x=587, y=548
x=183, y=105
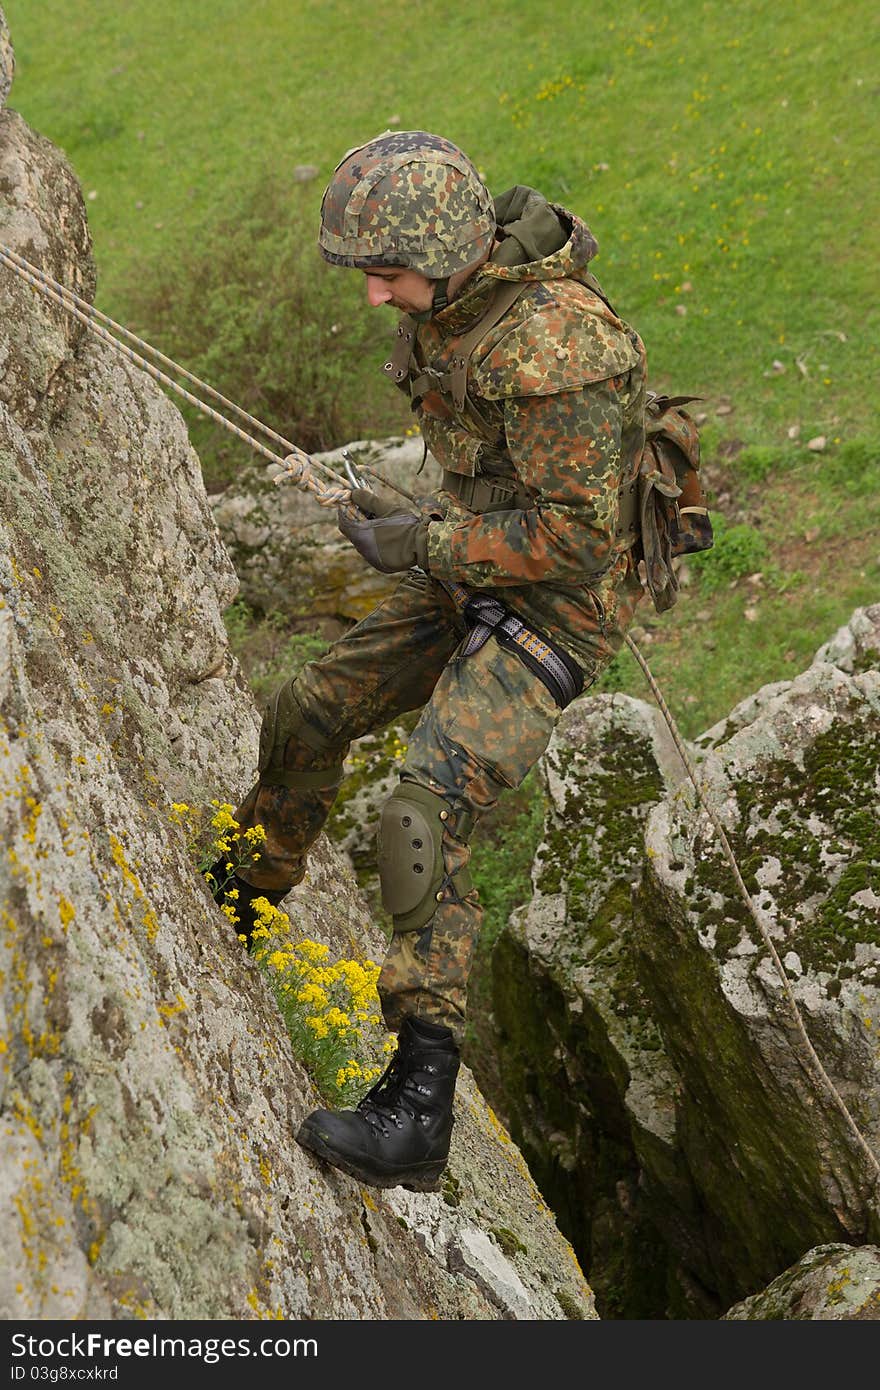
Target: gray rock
x=798, y=793
x=831, y=1283
x=42, y=218
x=650, y=1068
x=855, y=646
x=147, y=1080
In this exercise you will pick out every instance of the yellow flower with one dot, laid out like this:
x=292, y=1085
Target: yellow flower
x=313, y=950
x=336, y=1018
x=269, y=915
x=279, y=960
x=313, y=994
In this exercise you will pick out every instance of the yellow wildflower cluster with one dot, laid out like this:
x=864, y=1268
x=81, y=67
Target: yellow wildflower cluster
x=331, y=1008
x=213, y=832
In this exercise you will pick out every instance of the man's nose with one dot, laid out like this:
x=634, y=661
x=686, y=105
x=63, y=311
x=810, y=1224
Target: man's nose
x=377, y=291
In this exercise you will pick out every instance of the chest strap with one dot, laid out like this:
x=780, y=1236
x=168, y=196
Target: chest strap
x=482, y=493
x=453, y=381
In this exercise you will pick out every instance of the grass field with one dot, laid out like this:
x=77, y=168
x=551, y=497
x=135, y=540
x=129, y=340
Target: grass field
x=723, y=154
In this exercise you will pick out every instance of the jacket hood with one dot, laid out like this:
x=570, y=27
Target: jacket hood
x=539, y=240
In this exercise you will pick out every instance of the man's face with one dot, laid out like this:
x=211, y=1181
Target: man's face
x=407, y=290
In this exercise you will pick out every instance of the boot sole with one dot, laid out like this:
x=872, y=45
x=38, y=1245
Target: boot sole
x=424, y=1178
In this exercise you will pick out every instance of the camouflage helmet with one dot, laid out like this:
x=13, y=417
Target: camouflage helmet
x=406, y=199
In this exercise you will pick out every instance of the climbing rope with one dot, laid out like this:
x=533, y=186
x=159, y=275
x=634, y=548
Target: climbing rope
x=819, y=1072
x=298, y=467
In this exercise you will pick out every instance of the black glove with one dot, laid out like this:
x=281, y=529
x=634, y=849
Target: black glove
x=389, y=537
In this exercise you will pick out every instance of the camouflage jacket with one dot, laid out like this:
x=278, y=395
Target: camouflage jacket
x=556, y=395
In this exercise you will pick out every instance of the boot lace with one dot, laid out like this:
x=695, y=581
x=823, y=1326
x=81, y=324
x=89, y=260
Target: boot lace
x=394, y=1092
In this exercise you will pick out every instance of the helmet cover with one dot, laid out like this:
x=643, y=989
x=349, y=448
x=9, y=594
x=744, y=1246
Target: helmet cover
x=406, y=199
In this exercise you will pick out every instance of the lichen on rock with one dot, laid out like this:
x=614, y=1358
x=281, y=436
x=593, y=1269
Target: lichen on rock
x=830, y=1283
x=650, y=1063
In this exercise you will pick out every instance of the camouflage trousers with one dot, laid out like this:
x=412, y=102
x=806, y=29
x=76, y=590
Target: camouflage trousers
x=485, y=721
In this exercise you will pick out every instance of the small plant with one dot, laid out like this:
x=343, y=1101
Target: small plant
x=212, y=838
x=268, y=646
x=331, y=1009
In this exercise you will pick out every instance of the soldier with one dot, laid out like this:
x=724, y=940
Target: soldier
x=518, y=582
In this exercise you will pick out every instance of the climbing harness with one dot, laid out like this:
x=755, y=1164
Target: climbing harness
x=487, y=616
x=298, y=467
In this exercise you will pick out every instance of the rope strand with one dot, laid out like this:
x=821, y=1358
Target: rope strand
x=297, y=467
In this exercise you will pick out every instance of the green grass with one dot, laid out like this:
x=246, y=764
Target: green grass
x=269, y=651
x=725, y=147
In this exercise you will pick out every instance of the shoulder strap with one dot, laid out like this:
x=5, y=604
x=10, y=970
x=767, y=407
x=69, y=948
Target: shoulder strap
x=454, y=380
x=507, y=292
x=397, y=367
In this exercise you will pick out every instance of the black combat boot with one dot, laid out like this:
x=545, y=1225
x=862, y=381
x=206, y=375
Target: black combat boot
x=398, y=1136
x=243, y=904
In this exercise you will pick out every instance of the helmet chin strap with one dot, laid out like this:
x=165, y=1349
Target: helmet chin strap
x=439, y=301
x=441, y=295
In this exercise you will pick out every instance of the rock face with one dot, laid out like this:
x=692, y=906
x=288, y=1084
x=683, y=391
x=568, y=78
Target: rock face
x=833, y=1283
x=798, y=792
x=287, y=550
x=147, y=1084
x=660, y=1091
x=34, y=180
x=587, y=1086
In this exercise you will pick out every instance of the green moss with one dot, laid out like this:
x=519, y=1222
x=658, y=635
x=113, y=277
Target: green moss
x=591, y=843
x=569, y=1305
x=509, y=1243
x=800, y=816
x=451, y=1190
